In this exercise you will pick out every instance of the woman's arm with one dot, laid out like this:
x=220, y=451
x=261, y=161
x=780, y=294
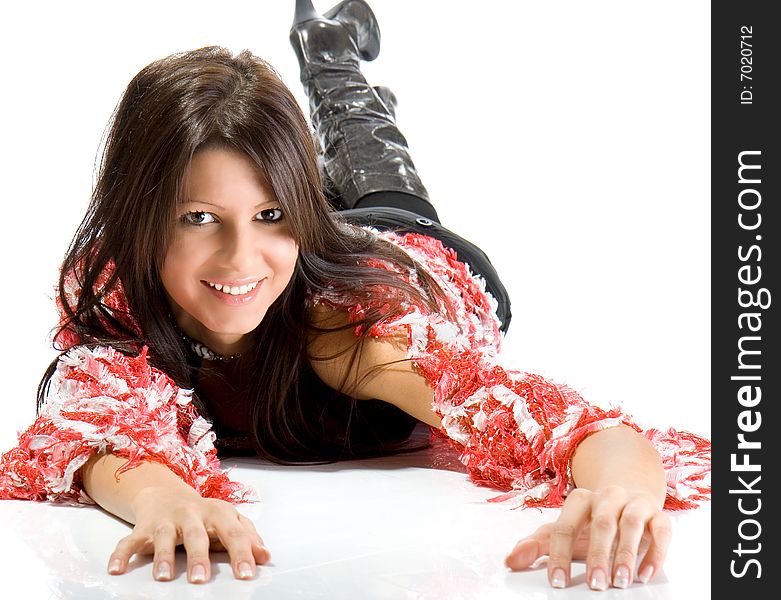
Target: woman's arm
x=380, y=372
x=618, y=473
x=160, y=468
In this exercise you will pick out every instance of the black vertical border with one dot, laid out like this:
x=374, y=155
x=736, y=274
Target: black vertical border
x=736, y=127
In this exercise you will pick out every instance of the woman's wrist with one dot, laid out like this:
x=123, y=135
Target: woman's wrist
x=121, y=495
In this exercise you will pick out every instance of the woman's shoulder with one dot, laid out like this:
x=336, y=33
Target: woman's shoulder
x=428, y=266
x=427, y=252
x=454, y=277
x=109, y=293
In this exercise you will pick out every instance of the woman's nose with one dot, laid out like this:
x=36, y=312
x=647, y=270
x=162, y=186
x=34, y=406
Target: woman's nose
x=241, y=250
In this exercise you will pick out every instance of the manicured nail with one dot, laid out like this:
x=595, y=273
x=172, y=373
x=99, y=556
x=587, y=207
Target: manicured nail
x=245, y=570
x=598, y=580
x=163, y=571
x=645, y=575
x=198, y=574
x=115, y=566
x=621, y=578
x=558, y=578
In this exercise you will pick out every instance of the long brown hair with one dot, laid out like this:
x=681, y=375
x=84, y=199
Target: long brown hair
x=172, y=108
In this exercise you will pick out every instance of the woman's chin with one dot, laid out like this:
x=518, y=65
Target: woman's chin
x=221, y=336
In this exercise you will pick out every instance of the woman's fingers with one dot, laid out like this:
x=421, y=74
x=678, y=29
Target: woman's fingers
x=237, y=535
x=200, y=525
x=631, y=527
x=660, y=530
x=196, y=543
x=640, y=521
x=564, y=534
x=238, y=543
x=525, y=553
x=603, y=530
x=251, y=527
x=610, y=529
x=165, y=551
x=126, y=547
x=259, y=550
x=135, y=543
x=530, y=548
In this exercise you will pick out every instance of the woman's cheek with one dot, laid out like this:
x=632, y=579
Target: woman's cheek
x=285, y=254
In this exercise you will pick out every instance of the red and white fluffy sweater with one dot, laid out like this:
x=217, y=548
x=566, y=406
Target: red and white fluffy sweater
x=514, y=431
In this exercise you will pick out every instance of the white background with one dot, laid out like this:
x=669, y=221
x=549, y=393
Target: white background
x=570, y=140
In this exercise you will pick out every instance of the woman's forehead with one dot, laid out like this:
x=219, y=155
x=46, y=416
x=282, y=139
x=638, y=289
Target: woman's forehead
x=217, y=171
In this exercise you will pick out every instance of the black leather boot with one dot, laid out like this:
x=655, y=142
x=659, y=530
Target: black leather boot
x=365, y=156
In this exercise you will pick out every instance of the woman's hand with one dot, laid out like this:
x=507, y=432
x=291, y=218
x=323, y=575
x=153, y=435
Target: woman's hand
x=610, y=529
x=165, y=518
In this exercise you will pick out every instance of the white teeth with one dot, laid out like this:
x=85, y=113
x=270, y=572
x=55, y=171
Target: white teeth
x=239, y=290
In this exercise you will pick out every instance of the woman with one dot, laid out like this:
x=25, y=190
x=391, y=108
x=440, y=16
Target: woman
x=210, y=260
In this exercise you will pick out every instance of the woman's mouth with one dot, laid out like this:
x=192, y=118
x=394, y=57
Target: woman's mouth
x=234, y=295
x=233, y=290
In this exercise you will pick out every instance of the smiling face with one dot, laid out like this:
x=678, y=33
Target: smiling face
x=232, y=252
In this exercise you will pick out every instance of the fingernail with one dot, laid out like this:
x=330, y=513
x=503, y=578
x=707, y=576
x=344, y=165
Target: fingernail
x=558, y=578
x=163, y=571
x=598, y=580
x=245, y=570
x=115, y=566
x=645, y=575
x=198, y=574
x=621, y=579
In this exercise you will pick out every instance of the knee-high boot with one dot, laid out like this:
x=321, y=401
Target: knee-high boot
x=364, y=153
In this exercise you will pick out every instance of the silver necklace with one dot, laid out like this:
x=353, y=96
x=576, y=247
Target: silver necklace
x=207, y=353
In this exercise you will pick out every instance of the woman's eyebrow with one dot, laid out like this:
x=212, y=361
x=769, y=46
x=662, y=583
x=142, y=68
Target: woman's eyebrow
x=264, y=203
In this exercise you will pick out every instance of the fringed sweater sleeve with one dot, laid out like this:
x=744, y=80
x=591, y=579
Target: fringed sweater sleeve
x=514, y=431
x=102, y=400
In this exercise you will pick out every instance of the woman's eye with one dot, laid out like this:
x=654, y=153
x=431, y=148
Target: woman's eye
x=197, y=217
x=271, y=214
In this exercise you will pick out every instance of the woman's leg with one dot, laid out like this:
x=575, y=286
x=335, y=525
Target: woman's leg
x=365, y=155
x=372, y=178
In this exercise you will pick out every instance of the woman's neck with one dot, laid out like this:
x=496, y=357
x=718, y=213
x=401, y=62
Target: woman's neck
x=221, y=344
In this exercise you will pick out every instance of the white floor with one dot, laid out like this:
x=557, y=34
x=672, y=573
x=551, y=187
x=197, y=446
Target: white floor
x=391, y=528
